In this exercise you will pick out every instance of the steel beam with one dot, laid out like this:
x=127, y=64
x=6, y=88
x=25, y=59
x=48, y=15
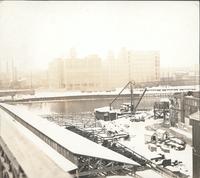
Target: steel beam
x=109, y=169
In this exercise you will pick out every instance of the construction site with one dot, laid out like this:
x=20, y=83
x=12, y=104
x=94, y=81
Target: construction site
x=163, y=141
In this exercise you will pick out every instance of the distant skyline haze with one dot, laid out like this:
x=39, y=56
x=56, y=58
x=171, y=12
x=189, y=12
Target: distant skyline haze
x=33, y=33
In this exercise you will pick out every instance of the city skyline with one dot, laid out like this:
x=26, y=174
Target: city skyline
x=35, y=33
x=93, y=73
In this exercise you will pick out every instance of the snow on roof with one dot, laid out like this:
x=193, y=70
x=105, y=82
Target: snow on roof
x=149, y=132
x=107, y=109
x=103, y=109
x=61, y=161
x=161, y=131
x=71, y=141
x=33, y=158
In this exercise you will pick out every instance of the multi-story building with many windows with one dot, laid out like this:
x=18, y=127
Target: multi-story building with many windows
x=83, y=74
x=139, y=66
x=93, y=74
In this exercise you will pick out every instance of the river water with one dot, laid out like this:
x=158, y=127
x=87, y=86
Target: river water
x=83, y=106
x=80, y=111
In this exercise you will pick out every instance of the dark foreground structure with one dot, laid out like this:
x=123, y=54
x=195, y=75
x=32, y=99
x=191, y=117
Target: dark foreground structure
x=195, y=120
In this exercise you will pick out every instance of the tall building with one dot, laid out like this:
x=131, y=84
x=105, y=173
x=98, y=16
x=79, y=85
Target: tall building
x=93, y=74
x=55, y=74
x=144, y=66
x=109, y=72
x=138, y=66
x=83, y=74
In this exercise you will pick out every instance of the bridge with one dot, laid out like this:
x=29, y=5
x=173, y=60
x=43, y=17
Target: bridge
x=60, y=96
x=34, y=147
x=15, y=92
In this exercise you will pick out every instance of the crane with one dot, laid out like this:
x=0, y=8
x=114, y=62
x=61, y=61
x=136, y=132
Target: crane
x=132, y=108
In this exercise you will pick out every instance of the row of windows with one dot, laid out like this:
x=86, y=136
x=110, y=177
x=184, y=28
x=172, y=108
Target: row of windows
x=170, y=89
x=192, y=102
x=157, y=95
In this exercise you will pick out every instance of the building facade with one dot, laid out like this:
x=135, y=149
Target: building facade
x=195, y=118
x=138, y=66
x=83, y=74
x=56, y=74
x=94, y=74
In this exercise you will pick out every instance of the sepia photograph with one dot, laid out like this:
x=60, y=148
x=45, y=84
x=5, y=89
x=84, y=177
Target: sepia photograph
x=99, y=89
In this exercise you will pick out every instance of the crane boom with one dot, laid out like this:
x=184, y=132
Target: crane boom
x=140, y=99
x=129, y=83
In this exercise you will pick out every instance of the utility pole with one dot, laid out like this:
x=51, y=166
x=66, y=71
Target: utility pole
x=132, y=107
x=131, y=84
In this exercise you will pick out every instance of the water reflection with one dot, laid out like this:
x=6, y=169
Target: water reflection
x=69, y=107
x=82, y=106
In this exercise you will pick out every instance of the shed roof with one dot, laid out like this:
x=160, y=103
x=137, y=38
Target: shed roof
x=68, y=139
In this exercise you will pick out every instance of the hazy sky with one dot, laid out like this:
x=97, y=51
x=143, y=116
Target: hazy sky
x=38, y=31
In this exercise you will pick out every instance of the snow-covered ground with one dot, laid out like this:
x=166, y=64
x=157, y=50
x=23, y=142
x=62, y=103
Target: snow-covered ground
x=181, y=132
x=137, y=131
x=148, y=174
